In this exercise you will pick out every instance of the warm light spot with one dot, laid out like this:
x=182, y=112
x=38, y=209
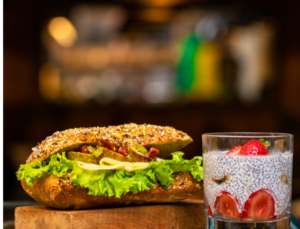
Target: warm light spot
x=49, y=81
x=155, y=15
x=63, y=32
x=161, y=3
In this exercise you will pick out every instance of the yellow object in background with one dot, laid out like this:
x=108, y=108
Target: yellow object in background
x=207, y=84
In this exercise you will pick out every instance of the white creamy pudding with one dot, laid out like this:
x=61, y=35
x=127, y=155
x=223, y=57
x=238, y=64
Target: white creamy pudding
x=242, y=175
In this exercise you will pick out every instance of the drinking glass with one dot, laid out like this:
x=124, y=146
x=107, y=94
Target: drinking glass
x=247, y=179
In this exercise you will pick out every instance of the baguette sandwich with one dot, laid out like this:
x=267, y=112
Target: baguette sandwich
x=108, y=166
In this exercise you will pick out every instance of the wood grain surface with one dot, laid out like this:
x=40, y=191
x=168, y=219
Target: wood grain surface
x=185, y=214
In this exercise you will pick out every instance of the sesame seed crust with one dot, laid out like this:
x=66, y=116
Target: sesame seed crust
x=166, y=139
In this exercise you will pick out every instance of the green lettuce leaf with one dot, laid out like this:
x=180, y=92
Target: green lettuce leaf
x=57, y=165
x=110, y=182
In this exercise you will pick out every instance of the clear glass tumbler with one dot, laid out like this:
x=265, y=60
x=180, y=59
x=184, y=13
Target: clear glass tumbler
x=247, y=179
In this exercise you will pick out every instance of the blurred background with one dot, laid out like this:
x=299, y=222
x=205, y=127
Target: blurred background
x=199, y=66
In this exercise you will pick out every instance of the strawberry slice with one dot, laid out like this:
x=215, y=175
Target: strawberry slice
x=209, y=212
x=235, y=150
x=254, y=148
x=260, y=205
x=228, y=205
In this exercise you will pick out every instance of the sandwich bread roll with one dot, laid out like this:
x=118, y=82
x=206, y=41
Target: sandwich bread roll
x=111, y=166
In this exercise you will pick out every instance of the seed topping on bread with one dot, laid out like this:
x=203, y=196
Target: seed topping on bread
x=122, y=135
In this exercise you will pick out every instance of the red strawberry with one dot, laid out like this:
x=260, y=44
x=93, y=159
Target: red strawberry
x=228, y=205
x=253, y=148
x=209, y=212
x=260, y=205
x=235, y=150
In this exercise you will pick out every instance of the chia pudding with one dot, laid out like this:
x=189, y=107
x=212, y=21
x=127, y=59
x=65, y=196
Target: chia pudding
x=241, y=176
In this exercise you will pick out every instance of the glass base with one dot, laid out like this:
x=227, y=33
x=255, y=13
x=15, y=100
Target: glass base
x=213, y=223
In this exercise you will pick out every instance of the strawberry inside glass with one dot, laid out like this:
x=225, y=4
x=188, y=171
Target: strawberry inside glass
x=251, y=180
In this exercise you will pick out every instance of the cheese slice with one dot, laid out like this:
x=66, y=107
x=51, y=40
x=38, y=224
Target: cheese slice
x=111, y=164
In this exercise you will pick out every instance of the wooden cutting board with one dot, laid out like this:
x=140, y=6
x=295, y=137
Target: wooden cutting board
x=185, y=214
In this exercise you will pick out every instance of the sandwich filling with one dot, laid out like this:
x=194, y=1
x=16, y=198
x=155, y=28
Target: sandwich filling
x=106, y=171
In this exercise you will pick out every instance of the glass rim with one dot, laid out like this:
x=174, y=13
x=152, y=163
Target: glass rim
x=248, y=135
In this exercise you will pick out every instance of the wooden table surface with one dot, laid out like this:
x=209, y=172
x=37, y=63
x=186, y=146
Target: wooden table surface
x=185, y=214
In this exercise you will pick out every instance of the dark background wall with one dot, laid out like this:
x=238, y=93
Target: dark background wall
x=29, y=118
